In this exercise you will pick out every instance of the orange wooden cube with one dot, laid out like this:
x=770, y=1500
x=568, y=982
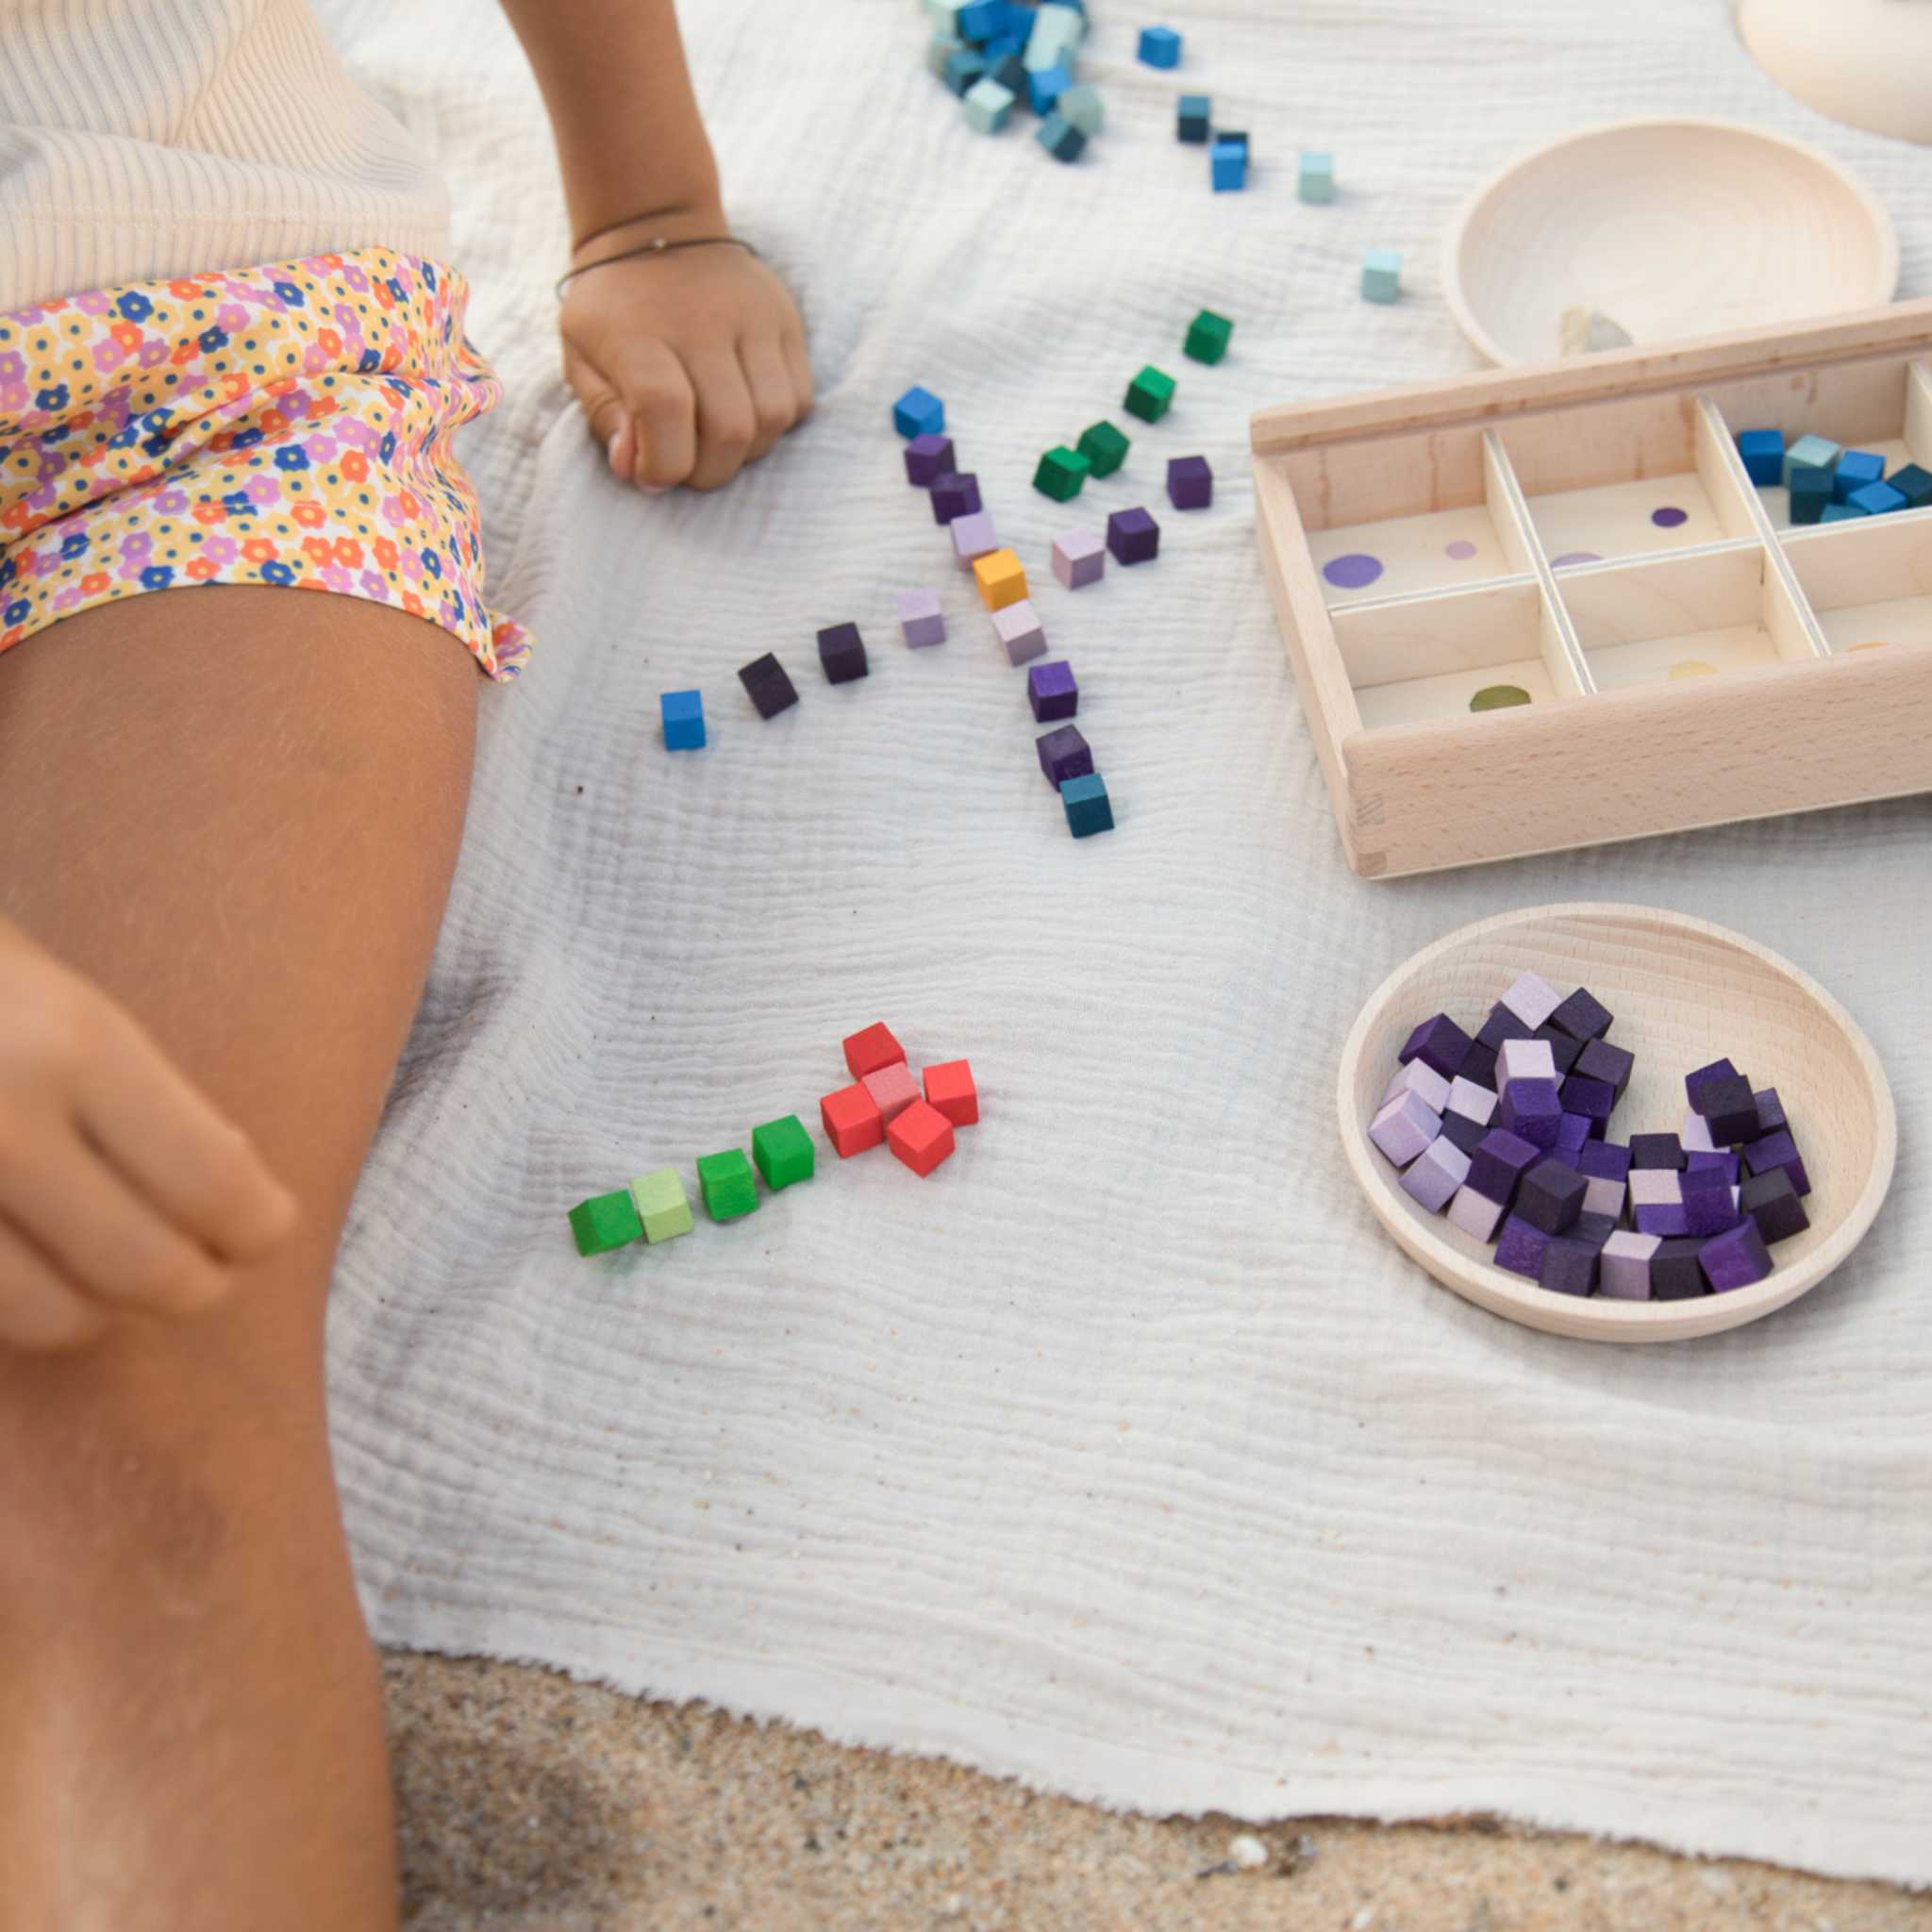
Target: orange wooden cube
x=851, y=1121
x=1000, y=579
x=893, y=1090
x=949, y=1088
x=921, y=1137
x=872, y=1048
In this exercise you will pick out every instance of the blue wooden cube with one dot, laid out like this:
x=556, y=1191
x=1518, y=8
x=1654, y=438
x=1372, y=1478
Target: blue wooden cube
x=1381, y=274
x=963, y=69
x=1856, y=468
x=1810, y=486
x=1810, y=452
x=1840, y=513
x=1087, y=808
x=1316, y=179
x=1044, y=89
x=1161, y=46
x=683, y=712
x=980, y=20
x=1764, y=451
x=1228, y=163
x=1060, y=136
x=919, y=412
x=1191, y=118
x=1874, y=499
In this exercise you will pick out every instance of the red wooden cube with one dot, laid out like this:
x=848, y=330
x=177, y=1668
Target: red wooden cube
x=893, y=1090
x=867, y=1051
x=921, y=1137
x=851, y=1121
x=949, y=1088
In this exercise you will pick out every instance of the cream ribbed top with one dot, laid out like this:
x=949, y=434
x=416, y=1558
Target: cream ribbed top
x=141, y=138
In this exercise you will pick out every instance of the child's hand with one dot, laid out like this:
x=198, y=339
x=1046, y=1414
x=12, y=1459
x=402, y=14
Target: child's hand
x=688, y=364
x=121, y=1189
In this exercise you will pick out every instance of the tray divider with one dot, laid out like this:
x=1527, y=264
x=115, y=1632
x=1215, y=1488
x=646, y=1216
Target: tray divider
x=1918, y=413
x=1516, y=529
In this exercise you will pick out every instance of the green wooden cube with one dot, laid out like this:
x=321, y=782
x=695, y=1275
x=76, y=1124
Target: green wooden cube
x=730, y=1187
x=1208, y=335
x=784, y=1152
x=605, y=1221
x=1105, y=448
x=1149, y=395
x=1061, y=474
x=662, y=1205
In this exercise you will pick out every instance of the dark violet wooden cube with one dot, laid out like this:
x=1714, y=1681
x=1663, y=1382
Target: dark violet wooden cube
x=1479, y=1064
x=1502, y=1025
x=769, y=686
x=1600, y=1061
x=1735, y=1259
x=1595, y=1100
x=1583, y=1016
x=954, y=495
x=1500, y=1160
x=1460, y=1131
x=1701, y=1180
x=1674, y=1273
x=1729, y=1110
x=1771, y=1111
x=1133, y=535
x=1665, y=1218
x=1521, y=1248
x=1190, y=482
x=1594, y=1228
x=1051, y=691
x=1063, y=755
x=1438, y=1042
x=1604, y=1160
x=842, y=651
x=1773, y=1203
x=1655, y=1150
x=1570, y=1268
x=927, y=458
x=1531, y=1111
x=1693, y=1081
x=1550, y=1196
x=1564, y=1047
x=1774, y=1152
x=1726, y=1163
x=1709, y=1212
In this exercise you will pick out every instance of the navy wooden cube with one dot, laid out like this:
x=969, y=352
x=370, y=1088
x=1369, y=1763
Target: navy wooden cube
x=1479, y=1065
x=1460, y=1131
x=842, y=651
x=1500, y=1160
x=1191, y=118
x=1594, y=1227
x=1694, y=1080
x=1773, y=1203
x=769, y=686
x=1595, y=1100
x=1582, y=1016
x=1729, y=1108
x=1550, y=1196
x=1777, y=1152
x=1502, y=1025
x=1655, y=1150
x=1564, y=1047
x=1914, y=484
x=1763, y=453
x=1600, y=1061
x=1063, y=755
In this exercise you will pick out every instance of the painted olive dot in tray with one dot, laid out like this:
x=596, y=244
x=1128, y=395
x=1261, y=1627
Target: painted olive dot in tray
x=1498, y=697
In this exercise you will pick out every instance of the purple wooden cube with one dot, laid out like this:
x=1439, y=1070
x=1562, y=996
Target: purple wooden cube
x=1436, y=1174
x=1582, y=1016
x=1531, y=1111
x=842, y=652
x=1564, y=1048
x=920, y=618
x=1501, y=1159
x=1735, y=1259
x=955, y=493
x=1063, y=755
x=1418, y=1076
x=1770, y=1111
x=1721, y=1162
x=1710, y=1211
x=1550, y=1196
x=1695, y=1134
x=1526, y=1059
x=1573, y=1130
x=1624, y=1266
x=1481, y=1067
x=1729, y=1110
x=1777, y=1151
x=1595, y=1100
x=1773, y=1203
x=1053, y=694
x=1593, y=1226
x=1655, y=1150
x=927, y=458
x=1693, y=1081
x=1604, y=1160
x=1532, y=999
x=1521, y=1248
x=1666, y=1218
x=974, y=537
x=1079, y=557
x=1701, y=1180
x=1569, y=1267
x=1600, y=1061
x=1502, y=1025
x=1674, y=1276
x=1438, y=1042
x=1404, y=1128
x=1462, y=1131
x=1476, y=1215
x=1190, y=482
x=1133, y=535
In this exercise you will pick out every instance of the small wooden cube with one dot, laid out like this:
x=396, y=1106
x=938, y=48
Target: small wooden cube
x=1550, y=1196
x=768, y=685
x=999, y=579
x=1762, y=452
x=1150, y=394
x=1079, y=557
x=921, y=1137
x=1063, y=753
x=1810, y=495
x=1532, y=999
x=1052, y=691
x=955, y=493
x=783, y=1152
x=1080, y=108
x=1193, y=117
x=1735, y=1259
x=1582, y=1016
x=1526, y=1059
x=1159, y=47
x=1105, y=447
x=871, y=1048
x=1624, y=1266
x=1190, y=482
x=919, y=412
x=1020, y=632
x=1089, y=809
x=1315, y=178
x=1500, y=1161
x=1475, y=1215
x=1418, y=1076
x=1133, y=535
x=1854, y=470
x=1434, y=1175
x=892, y=1089
x=1381, y=274
x=851, y=1121
x=605, y=1221
x=1532, y=1110
x=727, y=1184
x=949, y=1087
x=842, y=652
x=1061, y=473
x=1227, y=167
x=986, y=104
x=1062, y=137
x=1773, y=1203
x=1811, y=452
x=974, y=537
x=921, y=620
x=1207, y=337
x=683, y=716
x=927, y=458
x=1471, y=1102
x=1439, y=1041
x=1569, y=1267
x=662, y=1206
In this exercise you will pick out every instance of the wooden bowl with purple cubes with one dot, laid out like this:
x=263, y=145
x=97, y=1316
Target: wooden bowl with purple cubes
x=1615, y=1123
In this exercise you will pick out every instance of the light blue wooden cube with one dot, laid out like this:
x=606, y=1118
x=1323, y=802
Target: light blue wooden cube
x=1080, y=107
x=987, y=104
x=1381, y=274
x=1044, y=88
x=1316, y=180
x=1812, y=452
x=1057, y=31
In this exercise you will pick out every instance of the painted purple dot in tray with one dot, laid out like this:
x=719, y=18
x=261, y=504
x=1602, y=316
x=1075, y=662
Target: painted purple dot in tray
x=1669, y=517
x=1461, y=549
x=1353, y=571
x=1575, y=556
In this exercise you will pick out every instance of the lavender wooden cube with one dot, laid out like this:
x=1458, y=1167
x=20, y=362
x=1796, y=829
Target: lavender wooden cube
x=1550, y=1196
x=1777, y=1151
x=1729, y=1110
x=1582, y=1016
x=1480, y=1066
x=974, y=537
x=955, y=493
x=1531, y=1111
x=1694, y=1133
x=1439, y=1043
x=1650, y=1187
x=1600, y=1061
x=927, y=458
x=1674, y=1276
x=1021, y=634
x=1693, y=1081
x=1569, y=1267
x=1735, y=1259
x=1475, y=1215
x=1079, y=557
x=1624, y=1266
x=1710, y=1211
x=1418, y=1076
x=1655, y=1150
x=1604, y=1160
x=1053, y=694
x=1404, y=1128
x=1133, y=535
x=1532, y=999
x=1500, y=1026
x=1564, y=1048
x=1190, y=482
x=1434, y=1175
x=1773, y=1203
x=1475, y=1103
x=1595, y=1100
x=1462, y=1131
x=1521, y=1248
x=1500, y=1160
x=1770, y=1111
x=1063, y=755
x=1719, y=1162
x=1603, y=1196
x=1524, y=1059
x=1573, y=1130
x=921, y=620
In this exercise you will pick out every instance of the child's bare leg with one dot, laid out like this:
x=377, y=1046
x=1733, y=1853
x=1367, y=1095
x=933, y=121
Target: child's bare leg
x=236, y=811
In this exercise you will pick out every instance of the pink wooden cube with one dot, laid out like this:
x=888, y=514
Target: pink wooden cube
x=1079, y=557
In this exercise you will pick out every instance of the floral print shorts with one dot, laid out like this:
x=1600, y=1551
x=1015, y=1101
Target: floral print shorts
x=285, y=424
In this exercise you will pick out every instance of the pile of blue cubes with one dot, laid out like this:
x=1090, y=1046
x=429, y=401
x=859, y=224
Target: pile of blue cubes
x=1003, y=57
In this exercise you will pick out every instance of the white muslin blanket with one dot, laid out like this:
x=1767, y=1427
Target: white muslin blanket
x=1125, y=1455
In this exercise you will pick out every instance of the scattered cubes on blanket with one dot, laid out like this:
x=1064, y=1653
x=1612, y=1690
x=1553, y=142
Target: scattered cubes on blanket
x=1735, y=1259
x=986, y=104
x=1084, y=799
x=727, y=1184
x=974, y=537
x=927, y=458
x=1061, y=473
x=851, y=1121
x=1436, y=1041
x=1052, y=691
x=1081, y=108
x=1190, y=482
x=1021, y=634
x=919, y=412
x=1435, y=1175
x=1315, y=177
x=1150, y=394
x=1403, y=1127
x=1381, y=274
x=1063, y=753
x=1159, y=47
x=1207, y=337
x=1192, y=116
x=842, y=652
x=1062, y=138
x=1762, y=452
x=921, y=620
x=871, y=1048
x=1228, y=166
x=955, y=493
x=605, y=1221
x=662, y=1205
x=1133, y=535
x=783, y=1152
x=920, y=1137
x=999, y=579
x=1105, y=447
x=768, y=685
x=683, y=716
x=949, y=1088
x=1079, y=557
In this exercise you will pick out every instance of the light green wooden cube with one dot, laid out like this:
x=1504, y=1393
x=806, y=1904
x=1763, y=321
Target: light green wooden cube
x=662, y=1205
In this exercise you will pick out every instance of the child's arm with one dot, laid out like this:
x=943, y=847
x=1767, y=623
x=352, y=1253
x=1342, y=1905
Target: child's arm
x=688, y=364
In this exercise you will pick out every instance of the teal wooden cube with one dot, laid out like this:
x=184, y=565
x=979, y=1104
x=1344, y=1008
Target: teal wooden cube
x=1315, y=181
x=1192, y=119
x=1914, y=484
x=1105, y=448
x=1080, y=107
x=1810, y=488
x=727, y=1182
x=1207, y=337
x=987, y=104
x=1060, y=136
x=1149, y=395
x=1812, y=453
x=605, y=1221
x=1086, y=804
x=1381, y=274
x=784, y=1152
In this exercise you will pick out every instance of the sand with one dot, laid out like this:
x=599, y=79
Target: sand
x=532, y=1802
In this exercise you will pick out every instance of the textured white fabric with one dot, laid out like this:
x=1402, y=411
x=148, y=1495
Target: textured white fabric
x=1124, y=1455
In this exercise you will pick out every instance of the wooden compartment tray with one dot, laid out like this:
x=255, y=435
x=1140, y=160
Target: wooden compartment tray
x=1586, y=532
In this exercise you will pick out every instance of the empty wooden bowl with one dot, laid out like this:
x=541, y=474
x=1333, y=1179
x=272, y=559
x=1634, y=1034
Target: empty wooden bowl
x=1684, y=992
x=1670, y=228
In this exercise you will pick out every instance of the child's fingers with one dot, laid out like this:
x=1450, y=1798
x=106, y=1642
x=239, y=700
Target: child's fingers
x=640, y=412
x=774, y=402
x=726, y=421
x=179, y=1150
x=38, y=1310
x=798, y=360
